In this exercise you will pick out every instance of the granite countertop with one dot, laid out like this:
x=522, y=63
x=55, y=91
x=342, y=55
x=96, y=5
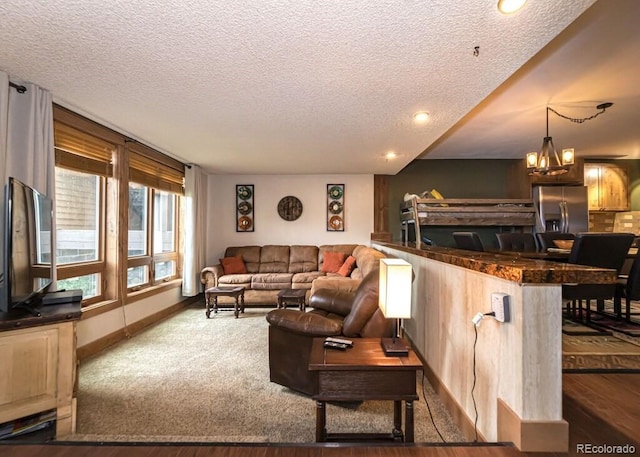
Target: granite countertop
x=513, y=268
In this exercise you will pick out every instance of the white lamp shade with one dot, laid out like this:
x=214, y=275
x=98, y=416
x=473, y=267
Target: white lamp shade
x=395, y=288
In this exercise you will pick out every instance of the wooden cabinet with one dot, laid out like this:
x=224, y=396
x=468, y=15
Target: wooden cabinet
x=519, y=182
x=608, y=186
x=38, y=373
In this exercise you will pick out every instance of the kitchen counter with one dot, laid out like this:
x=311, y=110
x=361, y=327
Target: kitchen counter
x=517, y=269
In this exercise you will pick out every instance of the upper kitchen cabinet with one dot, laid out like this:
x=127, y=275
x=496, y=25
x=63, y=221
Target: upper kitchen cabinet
x=608, y=186
x=519, y=182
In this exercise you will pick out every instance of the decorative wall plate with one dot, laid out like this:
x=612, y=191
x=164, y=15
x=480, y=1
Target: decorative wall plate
x=244, y=208
x=335, y=207
x=245, y=223
x=290, y=208
x=335, y=192
x=335, y=223
x=244, y=192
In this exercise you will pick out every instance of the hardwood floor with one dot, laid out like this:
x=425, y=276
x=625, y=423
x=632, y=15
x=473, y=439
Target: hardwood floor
x=600, y=409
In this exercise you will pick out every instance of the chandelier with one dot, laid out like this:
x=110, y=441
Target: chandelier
x=548, y=162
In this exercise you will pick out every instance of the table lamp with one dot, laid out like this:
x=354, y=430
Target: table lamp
x=395, y=300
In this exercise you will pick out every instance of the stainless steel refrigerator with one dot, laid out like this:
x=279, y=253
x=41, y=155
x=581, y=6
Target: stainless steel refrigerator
x=561, y=209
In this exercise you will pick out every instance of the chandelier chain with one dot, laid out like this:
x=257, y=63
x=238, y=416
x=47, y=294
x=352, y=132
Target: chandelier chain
x=578, y=120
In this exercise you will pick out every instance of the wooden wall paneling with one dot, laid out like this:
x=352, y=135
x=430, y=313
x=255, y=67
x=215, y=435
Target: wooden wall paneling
x=381, y=230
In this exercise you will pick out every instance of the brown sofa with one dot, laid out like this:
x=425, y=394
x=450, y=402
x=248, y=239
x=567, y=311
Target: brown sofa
x=335, y=313
x=272, y=268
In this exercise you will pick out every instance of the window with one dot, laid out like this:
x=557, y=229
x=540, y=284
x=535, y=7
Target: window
x=82, y=166
x=117, y=212
x=153, y=254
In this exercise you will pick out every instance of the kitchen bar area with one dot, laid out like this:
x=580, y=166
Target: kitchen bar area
x=500, y=381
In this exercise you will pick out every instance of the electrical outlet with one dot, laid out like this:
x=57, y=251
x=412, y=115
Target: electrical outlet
x=500, y=306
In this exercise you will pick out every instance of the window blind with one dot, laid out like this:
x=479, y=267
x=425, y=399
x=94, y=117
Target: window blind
x=81, y=151
x=161, y=173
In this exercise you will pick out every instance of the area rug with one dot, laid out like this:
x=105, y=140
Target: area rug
x=190, y=378
x=599, y=353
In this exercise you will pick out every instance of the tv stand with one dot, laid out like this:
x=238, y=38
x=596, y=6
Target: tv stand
x=39, y=359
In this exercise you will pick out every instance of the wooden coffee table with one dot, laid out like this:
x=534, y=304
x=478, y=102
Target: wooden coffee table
x=292, y=297
x=215, y=292
x=361, y=373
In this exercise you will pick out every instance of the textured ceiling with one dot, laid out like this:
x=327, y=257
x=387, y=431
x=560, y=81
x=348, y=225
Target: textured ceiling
x=256, y=86
x=596, y=59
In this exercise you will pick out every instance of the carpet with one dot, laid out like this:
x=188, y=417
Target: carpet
x=189, y=378
x=599, y=353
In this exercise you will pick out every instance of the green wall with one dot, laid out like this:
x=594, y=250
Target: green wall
x=453, y=179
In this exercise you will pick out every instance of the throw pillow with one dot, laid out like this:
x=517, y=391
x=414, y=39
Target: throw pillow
x=332, y=261
x=347, y=267
x=233, y=265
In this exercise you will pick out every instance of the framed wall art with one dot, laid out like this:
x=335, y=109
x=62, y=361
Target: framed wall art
x=244, y=208
x=335, y=207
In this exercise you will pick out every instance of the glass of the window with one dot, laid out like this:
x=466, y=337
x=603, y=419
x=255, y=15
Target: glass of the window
x=137, y=276
x=77, y=216
x=164, y=269
x=90, y=285
x=138, y=203
x=164, y=218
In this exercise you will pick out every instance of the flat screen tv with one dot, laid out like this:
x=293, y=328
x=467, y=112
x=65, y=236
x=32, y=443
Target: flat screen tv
x=27, y=248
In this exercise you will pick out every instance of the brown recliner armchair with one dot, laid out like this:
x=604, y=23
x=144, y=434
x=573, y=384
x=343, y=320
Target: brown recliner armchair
x=335, y=313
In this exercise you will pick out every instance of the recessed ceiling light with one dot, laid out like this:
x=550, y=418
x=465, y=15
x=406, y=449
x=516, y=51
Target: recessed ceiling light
x=390, y=155
x=510, y=6
x=421, y=117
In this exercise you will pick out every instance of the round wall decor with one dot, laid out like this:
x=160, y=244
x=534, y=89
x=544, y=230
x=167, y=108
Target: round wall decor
x=289, y=208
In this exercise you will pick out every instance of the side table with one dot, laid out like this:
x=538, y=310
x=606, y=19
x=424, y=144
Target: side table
x=215, y=292
x=361, y=373
x=292, y=297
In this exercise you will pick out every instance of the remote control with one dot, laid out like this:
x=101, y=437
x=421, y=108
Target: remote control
x=339, y=340
x=332, y=345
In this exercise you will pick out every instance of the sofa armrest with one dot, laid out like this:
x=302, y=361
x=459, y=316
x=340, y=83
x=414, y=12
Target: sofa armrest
x=304, y=323
x=332, y=300
x=209, y=276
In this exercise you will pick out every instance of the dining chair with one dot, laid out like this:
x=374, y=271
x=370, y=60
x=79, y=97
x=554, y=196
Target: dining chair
x=516, y=241
x=627, y=287
x=468, y=240
x=545, y=239
x=595, y=249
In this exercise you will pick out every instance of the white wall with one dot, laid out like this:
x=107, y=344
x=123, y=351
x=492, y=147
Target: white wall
x=102, y=325
x=310, y=228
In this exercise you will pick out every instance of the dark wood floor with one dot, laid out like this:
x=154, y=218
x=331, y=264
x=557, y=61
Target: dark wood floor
x=600, y=409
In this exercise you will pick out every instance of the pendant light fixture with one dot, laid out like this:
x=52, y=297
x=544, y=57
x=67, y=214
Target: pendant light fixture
x=547, y=161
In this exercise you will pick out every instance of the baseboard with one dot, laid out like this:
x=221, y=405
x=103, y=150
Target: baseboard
x=532, y=436
x=101, y=344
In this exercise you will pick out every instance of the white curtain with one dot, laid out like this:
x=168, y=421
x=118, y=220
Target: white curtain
x=195, y=192
x=27, y=126
x=26, y=138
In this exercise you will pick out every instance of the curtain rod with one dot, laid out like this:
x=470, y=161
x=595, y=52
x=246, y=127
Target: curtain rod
x=19, y=88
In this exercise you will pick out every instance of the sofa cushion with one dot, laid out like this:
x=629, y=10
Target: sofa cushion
x=235, y=280
x=271, y=281
x=250, y=255
x=332, y=262
x=274, y=259
x=347, y=249
x=233, y=265
x=311, y=323
x=303, y=259
x=304, y=280
x=367, y=259
x=347, y=267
